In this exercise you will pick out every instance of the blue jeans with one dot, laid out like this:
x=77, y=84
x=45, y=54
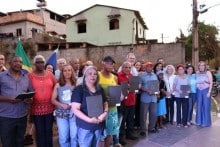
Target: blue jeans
x=192, y=101
x=203, y=112
x=67, y=131
x=88, y=138
x=43, y=126
x=12, y=131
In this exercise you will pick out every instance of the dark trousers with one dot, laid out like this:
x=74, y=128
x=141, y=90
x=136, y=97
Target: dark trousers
x=137, y=110
x=43, y=126
x=144, y=109
x=12, y=131
x=182, y=108
x=170, y=109
x=128, y=119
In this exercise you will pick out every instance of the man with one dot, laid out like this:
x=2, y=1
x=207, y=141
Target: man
x=2, y=63
x=75, y=64
x=128, y=106
x=131, y=58
x=60, y=63
x=148, y=100
x=108, y=79
x=13, y=112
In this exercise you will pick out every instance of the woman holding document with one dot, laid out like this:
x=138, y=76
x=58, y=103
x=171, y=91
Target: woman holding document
x=61, y=98
x=89, y=129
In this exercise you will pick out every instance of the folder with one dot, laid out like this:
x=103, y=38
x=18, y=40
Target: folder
x=94, y=105
x=134, y=83
x=185, y=91
x=114, y=92
x=26, y=95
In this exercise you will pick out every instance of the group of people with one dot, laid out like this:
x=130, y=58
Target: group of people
x=63, y=92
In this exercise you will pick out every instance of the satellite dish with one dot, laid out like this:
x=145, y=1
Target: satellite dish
x=42, y=4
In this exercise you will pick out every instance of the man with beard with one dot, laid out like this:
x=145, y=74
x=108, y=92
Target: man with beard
x=13, y=112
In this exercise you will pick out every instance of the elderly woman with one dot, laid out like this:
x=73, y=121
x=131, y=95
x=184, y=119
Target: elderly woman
x=89, y=128
x=169, y=76
x=42, y=109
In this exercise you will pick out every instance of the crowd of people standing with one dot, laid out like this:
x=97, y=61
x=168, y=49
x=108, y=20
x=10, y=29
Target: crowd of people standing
x=62, y=94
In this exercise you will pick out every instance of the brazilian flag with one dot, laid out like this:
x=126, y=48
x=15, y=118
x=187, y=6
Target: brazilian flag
x=26, y=67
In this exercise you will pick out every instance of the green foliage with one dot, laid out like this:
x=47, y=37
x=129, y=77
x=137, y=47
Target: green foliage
x=208, y=43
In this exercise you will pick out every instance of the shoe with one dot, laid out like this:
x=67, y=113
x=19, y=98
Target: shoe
x=118, y=145
x=28, y=140
x=171, y=123
x=178, y=126
x=143, y=134
x=122, y=142
x=186, y=126
x=153, y=131
x=131, y=138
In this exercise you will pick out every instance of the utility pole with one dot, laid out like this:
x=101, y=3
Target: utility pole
x=195, y=36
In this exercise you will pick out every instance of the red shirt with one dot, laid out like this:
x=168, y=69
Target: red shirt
x=43, y=87
x=130, y=100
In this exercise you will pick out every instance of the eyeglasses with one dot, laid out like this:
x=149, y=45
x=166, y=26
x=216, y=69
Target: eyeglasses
x=39, y=62
x=2, y=58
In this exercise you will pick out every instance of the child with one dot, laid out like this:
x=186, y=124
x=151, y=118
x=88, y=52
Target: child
x=161, y=105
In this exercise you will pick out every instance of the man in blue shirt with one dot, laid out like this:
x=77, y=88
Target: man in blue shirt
x=13, y=112
x=148, y=100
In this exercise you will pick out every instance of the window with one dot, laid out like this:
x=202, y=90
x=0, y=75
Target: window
x=114, y=24
x=18, y=32
x=82, y=27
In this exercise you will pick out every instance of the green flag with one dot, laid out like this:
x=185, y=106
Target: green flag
x=21, y=53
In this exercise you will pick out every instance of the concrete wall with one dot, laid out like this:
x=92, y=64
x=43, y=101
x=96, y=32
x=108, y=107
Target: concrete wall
x=173, y=53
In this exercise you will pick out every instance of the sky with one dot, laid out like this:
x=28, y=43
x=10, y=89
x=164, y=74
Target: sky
x=165, y=17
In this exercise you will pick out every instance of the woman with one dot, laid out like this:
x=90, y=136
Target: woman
x=161, y=103
x=61, y=98
x=204, y=86
x=138, y=66
x=190, y=74
x=41, y=108
x=89, y=128
x=158, y=67
x=169, y=76
x=181, y=100
x=49, y=67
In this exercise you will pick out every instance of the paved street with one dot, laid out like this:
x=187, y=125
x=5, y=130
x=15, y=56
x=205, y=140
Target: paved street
x=193, y=136
x=172, y=136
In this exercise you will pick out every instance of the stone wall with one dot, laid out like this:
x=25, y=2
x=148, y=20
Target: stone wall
x=173, y=53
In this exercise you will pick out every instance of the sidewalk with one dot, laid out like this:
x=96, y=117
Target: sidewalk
x=172, y=136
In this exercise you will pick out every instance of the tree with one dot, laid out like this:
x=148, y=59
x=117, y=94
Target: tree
x=208, y=43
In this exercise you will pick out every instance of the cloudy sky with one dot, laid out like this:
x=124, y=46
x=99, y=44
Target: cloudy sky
x=165, y=17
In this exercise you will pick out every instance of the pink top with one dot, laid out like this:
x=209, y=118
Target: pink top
x=43, y=87
x=202, y=81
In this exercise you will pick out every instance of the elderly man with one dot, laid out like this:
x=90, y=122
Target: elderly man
x=75, y=63
x=2, y=63
x=128, y=103
x=131, y=58
x=13, y=112
x=148, y=100
x=60, y=63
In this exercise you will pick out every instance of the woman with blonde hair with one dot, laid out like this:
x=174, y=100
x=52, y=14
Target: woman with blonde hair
x=204, y=86
x=169, y=76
